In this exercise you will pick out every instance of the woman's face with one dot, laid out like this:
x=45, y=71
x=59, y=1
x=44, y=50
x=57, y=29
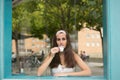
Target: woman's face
x=61, y=39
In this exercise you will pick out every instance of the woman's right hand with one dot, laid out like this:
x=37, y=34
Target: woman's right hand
x=47, y=61
x=54, y=50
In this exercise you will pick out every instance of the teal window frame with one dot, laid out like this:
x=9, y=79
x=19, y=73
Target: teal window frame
x=110, y=44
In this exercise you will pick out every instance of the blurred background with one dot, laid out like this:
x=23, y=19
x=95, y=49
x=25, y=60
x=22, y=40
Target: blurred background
x=34, y=22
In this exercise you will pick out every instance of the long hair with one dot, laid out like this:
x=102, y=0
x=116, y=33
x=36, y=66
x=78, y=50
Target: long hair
x=68, y=54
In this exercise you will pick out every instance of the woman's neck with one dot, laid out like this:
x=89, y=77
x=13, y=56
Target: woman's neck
x=61, y=53
x=62, y=58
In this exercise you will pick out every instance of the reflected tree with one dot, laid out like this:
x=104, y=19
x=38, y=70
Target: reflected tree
x=38, y=17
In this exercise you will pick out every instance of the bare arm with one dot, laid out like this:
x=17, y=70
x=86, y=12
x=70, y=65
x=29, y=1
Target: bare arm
x=47, y=61
x=44, y=65
x=85, y=70
x=84, y=67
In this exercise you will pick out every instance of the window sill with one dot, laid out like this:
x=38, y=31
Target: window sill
x=22, y=76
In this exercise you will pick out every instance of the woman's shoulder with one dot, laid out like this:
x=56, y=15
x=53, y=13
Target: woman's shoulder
x=77, y=57
x=75, y=54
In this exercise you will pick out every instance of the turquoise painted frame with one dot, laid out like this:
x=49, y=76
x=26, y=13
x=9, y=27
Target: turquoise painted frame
x=111, y=44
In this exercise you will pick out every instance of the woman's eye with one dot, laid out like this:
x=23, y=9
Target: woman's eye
x=63, y=39
x=58, y=39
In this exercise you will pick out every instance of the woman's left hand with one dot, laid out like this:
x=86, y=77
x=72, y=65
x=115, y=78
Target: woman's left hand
x=60, y=74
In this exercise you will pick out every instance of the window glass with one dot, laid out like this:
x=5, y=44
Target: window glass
x=35, y=22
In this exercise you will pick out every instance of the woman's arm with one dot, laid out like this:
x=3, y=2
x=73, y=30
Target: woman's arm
x=47, y=61
x=85, y=70
x=44, y=65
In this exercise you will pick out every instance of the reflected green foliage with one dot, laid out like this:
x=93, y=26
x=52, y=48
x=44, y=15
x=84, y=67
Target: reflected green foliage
x=38, y=17
x=48, y=16
x=89, y=11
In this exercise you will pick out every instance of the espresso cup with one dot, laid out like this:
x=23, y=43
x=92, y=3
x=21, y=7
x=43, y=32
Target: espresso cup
x=61, y=48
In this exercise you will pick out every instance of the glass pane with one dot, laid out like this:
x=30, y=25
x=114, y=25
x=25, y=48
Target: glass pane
x=35, y=22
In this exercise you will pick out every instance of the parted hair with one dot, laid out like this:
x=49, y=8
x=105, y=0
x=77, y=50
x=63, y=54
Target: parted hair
x=68, y=54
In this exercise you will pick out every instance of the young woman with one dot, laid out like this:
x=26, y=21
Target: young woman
x=62, y=59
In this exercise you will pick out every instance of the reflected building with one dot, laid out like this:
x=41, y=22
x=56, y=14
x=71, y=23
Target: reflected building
x=90, y=41
x=87, y=40
x=29, y=45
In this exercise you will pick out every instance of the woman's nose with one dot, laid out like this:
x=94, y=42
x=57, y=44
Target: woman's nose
x=61, y=41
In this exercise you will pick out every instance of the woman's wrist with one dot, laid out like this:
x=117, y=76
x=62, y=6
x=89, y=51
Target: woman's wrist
x=52, y=55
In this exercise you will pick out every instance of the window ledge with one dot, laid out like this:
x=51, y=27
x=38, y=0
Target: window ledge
x=55, y=78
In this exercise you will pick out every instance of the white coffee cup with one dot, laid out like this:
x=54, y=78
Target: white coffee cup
x=61, y=48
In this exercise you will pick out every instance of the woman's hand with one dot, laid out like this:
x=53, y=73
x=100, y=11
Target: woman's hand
x=60, y=74
x=54, y=50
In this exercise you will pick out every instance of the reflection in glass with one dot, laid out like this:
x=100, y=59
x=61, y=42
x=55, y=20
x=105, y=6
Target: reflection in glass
x=35, y=22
